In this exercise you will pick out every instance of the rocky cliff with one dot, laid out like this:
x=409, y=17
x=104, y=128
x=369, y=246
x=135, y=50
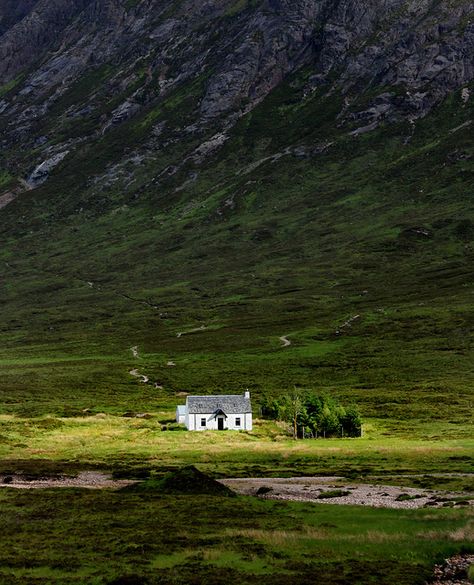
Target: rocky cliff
x=106, y=62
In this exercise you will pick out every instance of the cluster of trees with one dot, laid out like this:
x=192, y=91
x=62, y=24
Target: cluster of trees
x=313, y=416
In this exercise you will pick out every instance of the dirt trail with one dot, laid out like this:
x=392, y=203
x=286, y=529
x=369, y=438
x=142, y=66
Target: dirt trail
x=136, y=374
x=87, y=479
x=333, y=490
x=195, y=330
x=285, y=341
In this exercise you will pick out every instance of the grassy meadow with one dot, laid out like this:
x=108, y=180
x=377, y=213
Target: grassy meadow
x=88, y=410
x=128, y=446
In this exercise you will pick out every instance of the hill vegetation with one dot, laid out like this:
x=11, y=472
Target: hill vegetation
x=375, y=229
x=201, y=226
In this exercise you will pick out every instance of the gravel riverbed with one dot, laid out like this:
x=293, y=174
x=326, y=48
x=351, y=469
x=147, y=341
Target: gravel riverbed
x=333, y=490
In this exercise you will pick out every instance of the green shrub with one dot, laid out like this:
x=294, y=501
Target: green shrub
x=333, y=494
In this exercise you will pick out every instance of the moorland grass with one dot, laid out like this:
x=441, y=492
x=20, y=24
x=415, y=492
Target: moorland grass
x=307, y=244
x=99, y=537
x=126, y=445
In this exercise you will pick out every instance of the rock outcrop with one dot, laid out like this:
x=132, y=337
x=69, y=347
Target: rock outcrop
x=106, y=62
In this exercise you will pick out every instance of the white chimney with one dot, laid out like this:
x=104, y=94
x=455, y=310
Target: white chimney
x=246, y=394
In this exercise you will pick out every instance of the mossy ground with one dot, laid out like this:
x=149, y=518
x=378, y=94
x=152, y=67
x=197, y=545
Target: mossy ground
x=74, y=536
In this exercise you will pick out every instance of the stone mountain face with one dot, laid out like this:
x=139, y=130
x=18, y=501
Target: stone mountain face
x=405, y=56
x=30, y=29
x=12, y=11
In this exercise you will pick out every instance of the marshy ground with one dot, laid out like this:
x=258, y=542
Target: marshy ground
x=144, y=534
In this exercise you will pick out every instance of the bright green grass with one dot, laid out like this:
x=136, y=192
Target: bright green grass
x=125, y=444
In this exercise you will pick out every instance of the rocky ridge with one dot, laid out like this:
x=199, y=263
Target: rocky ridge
x=88, y=67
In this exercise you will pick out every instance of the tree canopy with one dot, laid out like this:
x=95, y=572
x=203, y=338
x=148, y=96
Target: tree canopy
x=313, y=416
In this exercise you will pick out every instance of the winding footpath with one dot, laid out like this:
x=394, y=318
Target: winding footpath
x=136, y=374
x=195, y=330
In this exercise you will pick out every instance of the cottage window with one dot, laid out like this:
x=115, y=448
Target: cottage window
x=203, y=422
x=237, y=422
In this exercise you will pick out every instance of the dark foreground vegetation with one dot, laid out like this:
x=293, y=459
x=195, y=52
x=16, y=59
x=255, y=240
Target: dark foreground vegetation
x=154, y=536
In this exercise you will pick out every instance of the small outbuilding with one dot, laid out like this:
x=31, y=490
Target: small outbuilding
x=216, y=413
x=181, y=414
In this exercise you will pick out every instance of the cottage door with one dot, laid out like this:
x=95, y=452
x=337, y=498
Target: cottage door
x=220, y=423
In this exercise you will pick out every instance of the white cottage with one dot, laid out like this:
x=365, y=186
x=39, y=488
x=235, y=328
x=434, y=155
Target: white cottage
x=216, y=413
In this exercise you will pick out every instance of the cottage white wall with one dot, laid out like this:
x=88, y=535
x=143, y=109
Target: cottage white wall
x=189, y=421
x=194, y=422
x=231, y=422
x=180, y=418
x=211, y=422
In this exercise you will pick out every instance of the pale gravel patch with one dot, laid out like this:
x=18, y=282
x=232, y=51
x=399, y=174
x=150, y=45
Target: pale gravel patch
x=85, y=479
x=453, y=571
x=308, y=489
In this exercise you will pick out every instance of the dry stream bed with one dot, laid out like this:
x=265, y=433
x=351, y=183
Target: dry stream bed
x=336, y=490
x=326, y=490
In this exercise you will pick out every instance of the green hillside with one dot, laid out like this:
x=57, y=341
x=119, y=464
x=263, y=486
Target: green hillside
x=356, y=247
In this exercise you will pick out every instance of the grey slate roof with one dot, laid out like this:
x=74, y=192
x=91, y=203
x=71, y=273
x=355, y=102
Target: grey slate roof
x=230, y=404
